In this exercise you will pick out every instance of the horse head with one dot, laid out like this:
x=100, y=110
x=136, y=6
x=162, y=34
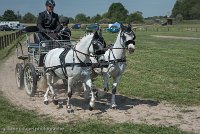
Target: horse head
x=128, y=38
x=98, y=45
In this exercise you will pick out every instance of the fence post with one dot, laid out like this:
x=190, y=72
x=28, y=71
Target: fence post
x=8, y=40
x=1, y=42
x=5, y=40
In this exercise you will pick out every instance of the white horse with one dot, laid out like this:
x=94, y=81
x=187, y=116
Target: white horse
x=76, y=66
x=115, y=60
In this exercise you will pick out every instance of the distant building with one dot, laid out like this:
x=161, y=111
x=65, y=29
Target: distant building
x=170, y=21
x=11, y=24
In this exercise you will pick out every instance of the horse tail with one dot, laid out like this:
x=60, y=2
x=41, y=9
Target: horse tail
x=42, y=83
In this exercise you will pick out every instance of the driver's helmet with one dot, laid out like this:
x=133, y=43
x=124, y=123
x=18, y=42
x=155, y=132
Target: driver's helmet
x=50, y=2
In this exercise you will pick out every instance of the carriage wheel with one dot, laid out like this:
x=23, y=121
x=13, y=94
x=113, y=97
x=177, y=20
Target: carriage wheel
x=30, y=79
x=19, y=75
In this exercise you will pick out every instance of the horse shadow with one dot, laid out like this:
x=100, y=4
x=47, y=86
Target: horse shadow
x=103, y=103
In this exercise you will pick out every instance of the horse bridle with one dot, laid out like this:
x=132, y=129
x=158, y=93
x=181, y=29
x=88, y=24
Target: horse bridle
x=95, y=45
x=124, y=42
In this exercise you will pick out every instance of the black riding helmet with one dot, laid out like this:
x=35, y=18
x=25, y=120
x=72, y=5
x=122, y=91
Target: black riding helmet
x=50, y=2
x=64, y=20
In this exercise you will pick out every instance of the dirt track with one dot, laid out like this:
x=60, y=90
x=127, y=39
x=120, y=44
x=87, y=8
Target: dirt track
x=129, y=110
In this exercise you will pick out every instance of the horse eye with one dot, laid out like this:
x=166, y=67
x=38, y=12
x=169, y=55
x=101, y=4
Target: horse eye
x=96, y=46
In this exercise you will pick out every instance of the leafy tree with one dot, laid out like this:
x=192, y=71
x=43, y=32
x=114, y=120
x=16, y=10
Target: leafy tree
x=71, y=20
x=81, y=18
x=117, y=12
x=189, y=9
x=96, y=18
x=28, y=18
x=179, y=17
x=9, y=15
x=135, y=17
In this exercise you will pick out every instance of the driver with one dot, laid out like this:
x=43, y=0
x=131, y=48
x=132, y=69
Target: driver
x=48, y=22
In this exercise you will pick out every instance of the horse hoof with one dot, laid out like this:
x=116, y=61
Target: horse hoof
x=55, y=102
x=60, y=106
x=46, y=102
x=90, y=108
x=114, y=106
x=100, y=94
x=70, y=110
x=105, y=89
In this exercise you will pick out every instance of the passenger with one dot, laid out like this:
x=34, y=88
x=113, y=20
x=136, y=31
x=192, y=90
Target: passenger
x=48, y=22
x=65, y=32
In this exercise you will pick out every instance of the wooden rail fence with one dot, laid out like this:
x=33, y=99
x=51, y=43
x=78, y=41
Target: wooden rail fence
x=6, y=40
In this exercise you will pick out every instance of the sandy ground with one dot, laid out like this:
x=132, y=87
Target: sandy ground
x=129, y=109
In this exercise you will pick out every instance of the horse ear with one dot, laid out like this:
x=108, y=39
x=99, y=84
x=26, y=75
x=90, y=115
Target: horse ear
x=121, y=26
x=129, y=27
x=100, y=32
x=96, y=35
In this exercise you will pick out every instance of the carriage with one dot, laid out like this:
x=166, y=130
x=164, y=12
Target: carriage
x=32, y=53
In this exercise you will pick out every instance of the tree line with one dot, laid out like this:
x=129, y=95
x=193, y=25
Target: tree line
x=186, y=9
x=116, y=12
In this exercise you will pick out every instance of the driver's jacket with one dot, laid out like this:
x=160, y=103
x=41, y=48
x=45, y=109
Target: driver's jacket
x=47, y=21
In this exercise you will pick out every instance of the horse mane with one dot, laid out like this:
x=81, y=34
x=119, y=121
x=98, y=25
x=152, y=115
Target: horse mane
x=85, y=35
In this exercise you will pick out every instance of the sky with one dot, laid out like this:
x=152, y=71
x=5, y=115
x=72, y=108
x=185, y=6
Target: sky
x=70, y=8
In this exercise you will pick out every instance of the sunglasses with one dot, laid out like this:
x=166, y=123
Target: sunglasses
x=50, y=6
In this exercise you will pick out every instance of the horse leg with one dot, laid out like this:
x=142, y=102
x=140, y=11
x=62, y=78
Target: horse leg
x=106, y=81
x=114, y=89
x=86, y=91
x=69, y=93
x=46, y=101
x=50, y=87
x=64, y=82
x=93, y=94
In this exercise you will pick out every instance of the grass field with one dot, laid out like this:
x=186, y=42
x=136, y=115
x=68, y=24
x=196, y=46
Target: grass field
x=160, y=69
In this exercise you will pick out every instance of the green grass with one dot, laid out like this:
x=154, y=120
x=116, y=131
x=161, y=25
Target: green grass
x=5, y=32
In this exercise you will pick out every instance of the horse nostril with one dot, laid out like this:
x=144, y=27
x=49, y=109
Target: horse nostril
x=131, y=50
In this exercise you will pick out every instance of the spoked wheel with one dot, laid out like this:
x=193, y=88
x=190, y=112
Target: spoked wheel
x=19, y=75
x=30, y=79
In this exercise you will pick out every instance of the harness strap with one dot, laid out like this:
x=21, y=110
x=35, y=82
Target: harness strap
x=62, y=61
x=47, y=69
x=106, y=63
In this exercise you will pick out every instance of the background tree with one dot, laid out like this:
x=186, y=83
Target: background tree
x=117, y=12
x=96, y=18
x=29, y=18
x=135, y=17
x=1, y=18
x=9, y=15
x=81, y=18
x=71, y=20
x=189, y=9
x=179, y=17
